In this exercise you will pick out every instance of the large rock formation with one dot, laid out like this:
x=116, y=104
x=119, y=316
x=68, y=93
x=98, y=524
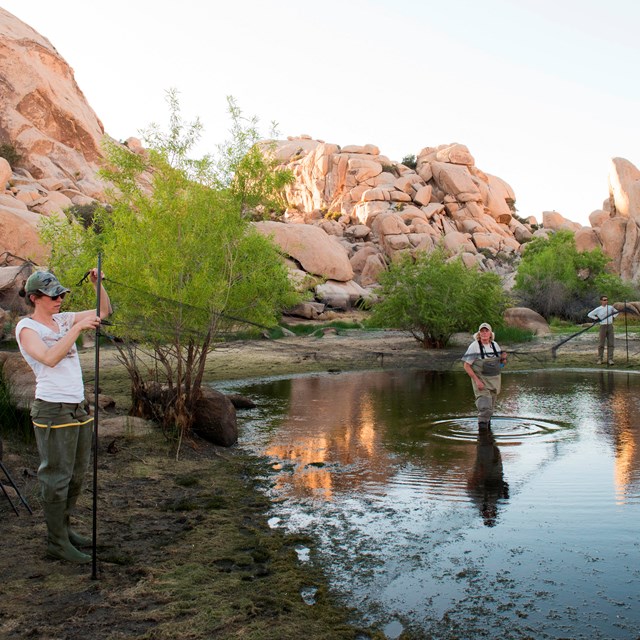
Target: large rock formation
x=47, y=122
x=379, y=209
x=351, y=210
x=616, y=227
x=406, y=208
x=43, y=112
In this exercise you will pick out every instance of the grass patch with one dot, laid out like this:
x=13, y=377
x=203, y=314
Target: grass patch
x=509, y=335
x=564, y=327
x=187, y=481
x=177, y=558
x=314, y=329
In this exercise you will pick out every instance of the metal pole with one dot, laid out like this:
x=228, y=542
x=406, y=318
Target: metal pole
x=626, y=332
x=6, y=495
x=96, y=409
x=15, y=488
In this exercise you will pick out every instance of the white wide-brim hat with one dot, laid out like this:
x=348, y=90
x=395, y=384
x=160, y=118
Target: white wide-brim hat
x=484, y=325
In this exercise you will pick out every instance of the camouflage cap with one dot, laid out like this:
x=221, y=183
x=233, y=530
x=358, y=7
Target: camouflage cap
x=45, y=283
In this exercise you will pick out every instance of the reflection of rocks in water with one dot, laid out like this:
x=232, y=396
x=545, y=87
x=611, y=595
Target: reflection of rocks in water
x=622, y=431
x=486, y=482
x=332, y=421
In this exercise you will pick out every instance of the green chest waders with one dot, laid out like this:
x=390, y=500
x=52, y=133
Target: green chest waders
x=63, y=435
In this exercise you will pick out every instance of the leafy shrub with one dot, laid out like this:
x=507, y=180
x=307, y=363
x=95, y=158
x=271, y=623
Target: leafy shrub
x=390, y=168
x=555, y=279
x=410, y=161
x=10, y=154
x=433, y=298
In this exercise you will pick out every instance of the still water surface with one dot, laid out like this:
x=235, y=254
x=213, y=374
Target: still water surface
x=531, y=531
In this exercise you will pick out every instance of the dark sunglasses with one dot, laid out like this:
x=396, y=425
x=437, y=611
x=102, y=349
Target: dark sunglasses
x=60, y=295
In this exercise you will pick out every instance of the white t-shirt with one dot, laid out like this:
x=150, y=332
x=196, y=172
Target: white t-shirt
x=62, y=383
x=473, y=352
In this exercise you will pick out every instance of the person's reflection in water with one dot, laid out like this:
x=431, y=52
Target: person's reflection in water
x=486, y=482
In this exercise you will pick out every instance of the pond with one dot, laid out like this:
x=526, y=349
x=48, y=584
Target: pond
x=432, y=528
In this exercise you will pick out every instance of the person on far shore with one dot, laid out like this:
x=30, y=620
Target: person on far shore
x=604, y=314
x=483, y=362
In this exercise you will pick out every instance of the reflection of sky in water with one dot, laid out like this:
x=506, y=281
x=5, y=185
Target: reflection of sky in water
x=532, y=531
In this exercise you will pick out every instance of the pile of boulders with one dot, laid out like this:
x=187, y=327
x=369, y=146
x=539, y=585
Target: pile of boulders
x=352, y=211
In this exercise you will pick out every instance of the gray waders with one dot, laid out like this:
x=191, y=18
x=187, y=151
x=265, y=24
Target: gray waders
x=64, y=437
x=486, y=398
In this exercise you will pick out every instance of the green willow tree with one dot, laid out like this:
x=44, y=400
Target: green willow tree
x=433, y=297
x=246, y=165
x=184, y=266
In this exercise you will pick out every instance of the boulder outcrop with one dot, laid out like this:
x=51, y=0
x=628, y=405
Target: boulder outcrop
x=528, y=319
x=378, y=209
x=317, y=252
x=355, y=185
x=616, y=227
x=51, y=134
x=351, y=211
x=43, y=112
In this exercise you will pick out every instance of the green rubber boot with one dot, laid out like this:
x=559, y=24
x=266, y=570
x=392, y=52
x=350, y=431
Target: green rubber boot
x=58, y=545
x=75, y=538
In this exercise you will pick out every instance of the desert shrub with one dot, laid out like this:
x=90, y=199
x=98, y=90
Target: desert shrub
x=410, y=161
x=86, y=215
x=187, y=265
x=10, y=154
x=433, y=297
x=555, y=279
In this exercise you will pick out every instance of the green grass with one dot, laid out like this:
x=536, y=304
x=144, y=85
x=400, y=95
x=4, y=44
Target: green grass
x=313, y=329
x=564, y=327
x=509, y=335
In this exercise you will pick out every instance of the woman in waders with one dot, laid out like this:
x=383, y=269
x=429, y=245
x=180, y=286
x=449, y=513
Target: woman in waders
x=483, y=361
x=63, y=428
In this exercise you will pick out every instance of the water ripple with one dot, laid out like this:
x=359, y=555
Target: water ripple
x=505, y=430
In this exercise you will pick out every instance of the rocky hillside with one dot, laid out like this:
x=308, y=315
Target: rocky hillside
x=615, y=227
x=49, y=131
x=351, y=210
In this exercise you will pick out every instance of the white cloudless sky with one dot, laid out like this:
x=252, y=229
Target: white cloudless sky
x=543, y=92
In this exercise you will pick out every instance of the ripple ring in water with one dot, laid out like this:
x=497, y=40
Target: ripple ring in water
x=504, y=429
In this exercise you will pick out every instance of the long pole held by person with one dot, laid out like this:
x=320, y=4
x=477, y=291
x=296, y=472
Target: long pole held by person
x=626, y=330
x=96, y=410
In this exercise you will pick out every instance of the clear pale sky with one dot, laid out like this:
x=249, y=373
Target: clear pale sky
x=543, y=92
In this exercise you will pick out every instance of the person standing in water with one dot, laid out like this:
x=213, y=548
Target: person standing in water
x=63, y=428
x=604, y=314
x=483, y=362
